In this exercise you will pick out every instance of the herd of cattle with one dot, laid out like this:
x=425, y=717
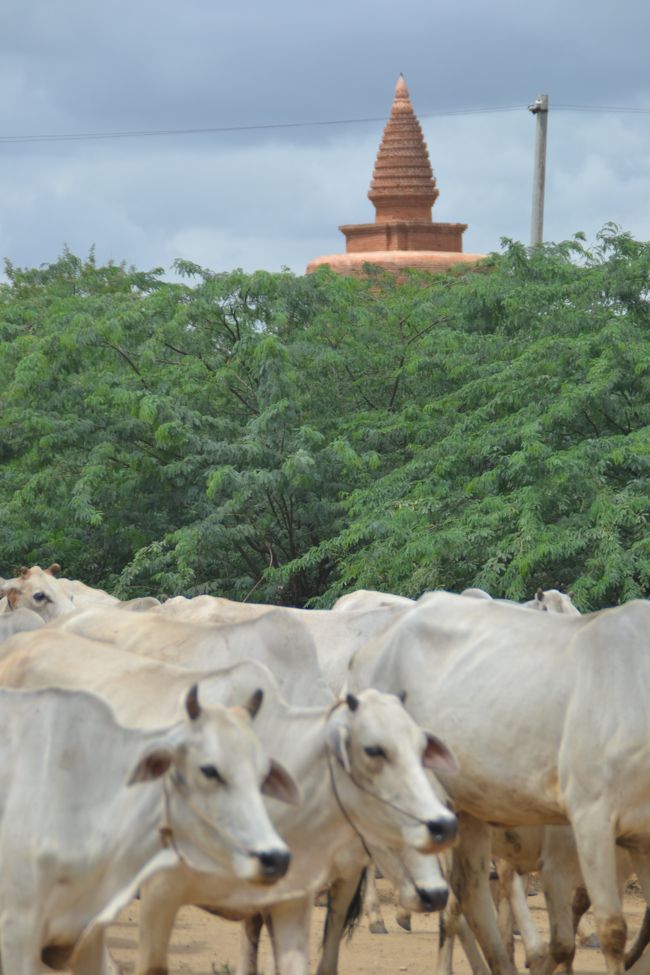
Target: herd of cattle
x=244, y=757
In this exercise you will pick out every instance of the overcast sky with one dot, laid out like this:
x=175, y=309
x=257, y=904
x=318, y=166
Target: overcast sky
x=274, y=197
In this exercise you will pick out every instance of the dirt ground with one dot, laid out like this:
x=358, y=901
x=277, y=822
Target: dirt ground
x=204, y=945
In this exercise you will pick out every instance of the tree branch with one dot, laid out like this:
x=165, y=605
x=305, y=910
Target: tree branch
x=128, y=360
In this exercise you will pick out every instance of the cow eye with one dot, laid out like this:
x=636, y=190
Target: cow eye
x=40, y=597
x=375, y=751
x=212, y=772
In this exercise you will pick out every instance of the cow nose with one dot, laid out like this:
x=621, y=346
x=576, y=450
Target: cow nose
x=443, y=830
x=274, y=863
x=433, y=899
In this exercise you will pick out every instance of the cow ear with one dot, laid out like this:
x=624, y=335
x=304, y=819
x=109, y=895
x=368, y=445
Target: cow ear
x=339, y=742
x=437, y=756
x=152, y=765
x=12, y=597
x=280, y=785
x=24, y=571
x=53, y=569
x=254, y=703
x=192, y=705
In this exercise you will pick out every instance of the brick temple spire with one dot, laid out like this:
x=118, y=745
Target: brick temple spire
x=403, y=191
x=403, y=186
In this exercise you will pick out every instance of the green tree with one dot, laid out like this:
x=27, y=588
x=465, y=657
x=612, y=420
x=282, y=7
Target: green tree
x=528, y=454
x=289, y=438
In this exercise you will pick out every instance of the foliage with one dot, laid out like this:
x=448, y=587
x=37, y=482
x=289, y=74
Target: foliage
x=295, y=437
x=529, y=465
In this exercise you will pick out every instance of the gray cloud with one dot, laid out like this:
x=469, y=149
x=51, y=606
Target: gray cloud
x=274, y=198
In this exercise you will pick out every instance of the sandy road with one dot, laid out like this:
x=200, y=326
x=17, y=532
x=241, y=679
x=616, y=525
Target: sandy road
x=204, y=945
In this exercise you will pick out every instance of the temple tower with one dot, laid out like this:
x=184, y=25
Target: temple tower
x=403, y=191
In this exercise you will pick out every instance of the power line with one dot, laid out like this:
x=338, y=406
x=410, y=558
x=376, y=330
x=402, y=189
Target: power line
x=215, y=130
x=145, y=133
x=624, y=109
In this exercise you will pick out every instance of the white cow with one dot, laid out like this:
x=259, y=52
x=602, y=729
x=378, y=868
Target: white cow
x=212, y=609
x=359, y=764
x=554, y=601
x=50, y=595
x=369, y=599
x=550, y=721
x=276, y=640
x=18, y=621
x=76, y=841
x=335, y=635
x=39, y=590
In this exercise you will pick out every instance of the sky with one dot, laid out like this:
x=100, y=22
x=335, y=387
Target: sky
x=269, y=193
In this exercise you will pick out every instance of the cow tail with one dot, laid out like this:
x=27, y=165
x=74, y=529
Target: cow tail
x=355, y=907
x=354, y=911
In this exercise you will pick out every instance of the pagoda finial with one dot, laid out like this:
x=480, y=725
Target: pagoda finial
x=402, y=187
x=401, y=90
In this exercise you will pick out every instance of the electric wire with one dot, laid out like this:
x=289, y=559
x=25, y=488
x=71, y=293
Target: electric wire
x=215, y=130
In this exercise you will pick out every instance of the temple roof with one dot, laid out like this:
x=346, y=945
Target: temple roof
x=403, y=191
x=403, y=186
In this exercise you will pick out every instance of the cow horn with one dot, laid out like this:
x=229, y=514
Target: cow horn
x=192, y=705
x=254, y=703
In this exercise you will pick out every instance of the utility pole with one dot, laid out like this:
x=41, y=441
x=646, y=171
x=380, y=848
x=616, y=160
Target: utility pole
x=540, y=109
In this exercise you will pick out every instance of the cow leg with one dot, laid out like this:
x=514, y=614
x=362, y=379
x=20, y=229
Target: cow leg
x=158, y=909
x=561, y=919
x=597, y=855
x=451, y=923
x=471, y=884
x=371, y=906
x=536, y=949
x=18, y=955
x=447, y=926
x=471, y=948
x=341, y=895
x=251, y=930
x=641, y=864
x=403, y=918
x=288, y=925
x=505, y=922
x=641, y=942
x=579, y=906
x=94, y=958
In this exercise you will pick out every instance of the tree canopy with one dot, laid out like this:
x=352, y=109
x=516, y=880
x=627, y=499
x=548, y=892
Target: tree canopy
x=297, y=437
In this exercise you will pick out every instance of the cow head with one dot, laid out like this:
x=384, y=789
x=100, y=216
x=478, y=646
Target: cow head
x=554, y=601
x=38, y=589
x=378, y=770
x=418, y=878
x=216, y=774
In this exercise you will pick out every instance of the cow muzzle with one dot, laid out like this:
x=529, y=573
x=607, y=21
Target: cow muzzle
x=273, y=865
x=432, y=899
x=443, y=831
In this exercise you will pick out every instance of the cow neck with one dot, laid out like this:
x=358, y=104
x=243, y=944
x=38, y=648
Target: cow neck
x=339, y=802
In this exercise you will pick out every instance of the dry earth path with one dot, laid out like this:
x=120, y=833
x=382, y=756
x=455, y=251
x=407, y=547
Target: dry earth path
x=204, y=945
